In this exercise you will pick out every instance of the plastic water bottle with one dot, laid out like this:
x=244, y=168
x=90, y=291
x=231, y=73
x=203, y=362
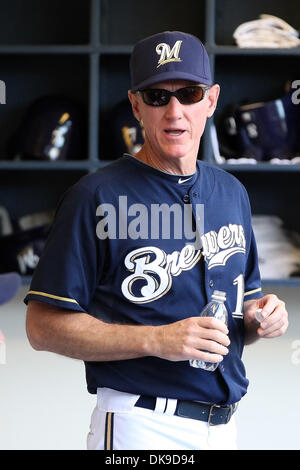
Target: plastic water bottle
x=215, y=308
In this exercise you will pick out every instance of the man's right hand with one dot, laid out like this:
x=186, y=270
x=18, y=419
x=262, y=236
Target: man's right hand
x=203, y=338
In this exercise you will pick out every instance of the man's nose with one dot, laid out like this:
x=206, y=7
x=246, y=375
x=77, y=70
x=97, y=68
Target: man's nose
x=174, y=109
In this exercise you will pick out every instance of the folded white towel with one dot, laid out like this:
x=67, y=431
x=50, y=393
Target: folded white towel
x=267, y=31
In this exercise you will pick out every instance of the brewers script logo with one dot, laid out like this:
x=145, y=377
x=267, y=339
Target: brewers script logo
x=153, y=270
x=167, y=54
x=219, y=246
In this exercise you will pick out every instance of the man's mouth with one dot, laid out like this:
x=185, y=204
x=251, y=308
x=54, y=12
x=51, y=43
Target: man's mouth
x=174, y=132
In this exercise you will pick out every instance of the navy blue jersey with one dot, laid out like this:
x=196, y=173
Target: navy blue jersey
x=122, y=250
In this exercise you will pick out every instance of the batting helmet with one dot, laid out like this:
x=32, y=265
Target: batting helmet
x=52, y=129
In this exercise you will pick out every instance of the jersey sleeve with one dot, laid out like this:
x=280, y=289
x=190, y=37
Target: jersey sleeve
x=253, y=288
x=68, y=269
x=252, y=278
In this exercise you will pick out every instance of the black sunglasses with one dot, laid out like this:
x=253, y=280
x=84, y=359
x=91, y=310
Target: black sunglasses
x=161, y=97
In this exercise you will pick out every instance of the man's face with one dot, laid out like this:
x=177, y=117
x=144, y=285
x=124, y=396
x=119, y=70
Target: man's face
x=174, y=131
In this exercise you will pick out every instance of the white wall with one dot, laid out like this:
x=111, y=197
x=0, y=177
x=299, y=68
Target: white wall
x=269, y=414
x=43, y=399
x=44, y=403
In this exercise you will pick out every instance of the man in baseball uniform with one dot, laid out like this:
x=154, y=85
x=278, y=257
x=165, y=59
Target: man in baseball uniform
x=136, y=251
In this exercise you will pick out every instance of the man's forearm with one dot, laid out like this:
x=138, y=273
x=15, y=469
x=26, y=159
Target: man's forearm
x=250, y=323
x=251, y=333
x=81, y=336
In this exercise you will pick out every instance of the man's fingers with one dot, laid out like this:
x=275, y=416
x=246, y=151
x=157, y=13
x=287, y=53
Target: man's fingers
x=212, y=323
x=273, y=334
x=271, y=305
x=275, y=329
x=216, y=336
x=207, y=357
x=275, y=323
x=211, y=346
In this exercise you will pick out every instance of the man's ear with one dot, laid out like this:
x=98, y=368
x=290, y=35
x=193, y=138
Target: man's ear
x=213, y=95
x=134, y=104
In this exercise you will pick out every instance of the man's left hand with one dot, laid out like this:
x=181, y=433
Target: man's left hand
x=274, y=314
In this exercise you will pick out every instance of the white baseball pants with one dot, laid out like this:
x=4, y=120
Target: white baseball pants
x=116, y=424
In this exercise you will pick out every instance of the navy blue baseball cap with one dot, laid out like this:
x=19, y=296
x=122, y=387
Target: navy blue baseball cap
x=167, y=56
x=9, y=284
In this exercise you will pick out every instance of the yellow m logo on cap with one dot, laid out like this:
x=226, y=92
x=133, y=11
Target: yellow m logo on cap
x=168, y=55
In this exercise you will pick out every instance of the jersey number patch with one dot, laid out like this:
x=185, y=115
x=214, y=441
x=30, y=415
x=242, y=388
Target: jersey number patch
x=240, y=283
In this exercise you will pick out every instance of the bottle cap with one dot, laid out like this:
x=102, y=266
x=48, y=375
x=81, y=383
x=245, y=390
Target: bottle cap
x=258, y=316
x=219, y=295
